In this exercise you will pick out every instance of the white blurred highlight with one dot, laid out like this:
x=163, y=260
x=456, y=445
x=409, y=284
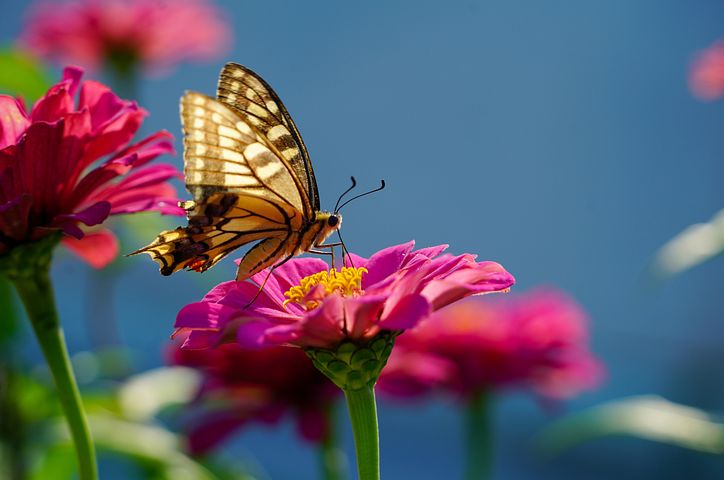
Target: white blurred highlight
x=694, y=245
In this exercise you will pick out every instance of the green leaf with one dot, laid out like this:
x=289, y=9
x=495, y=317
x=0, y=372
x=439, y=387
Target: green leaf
x=8, y=311
x=649, y=417
x=22, y=75
x=56, y=462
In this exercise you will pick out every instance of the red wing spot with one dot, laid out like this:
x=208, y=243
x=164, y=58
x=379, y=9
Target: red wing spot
x=197, y=265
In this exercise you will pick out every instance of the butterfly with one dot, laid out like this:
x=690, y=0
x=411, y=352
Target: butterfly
x=251, y=180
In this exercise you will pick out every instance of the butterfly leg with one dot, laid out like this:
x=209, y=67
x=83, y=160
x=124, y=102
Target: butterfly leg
x=320, y=250
x=263, y=284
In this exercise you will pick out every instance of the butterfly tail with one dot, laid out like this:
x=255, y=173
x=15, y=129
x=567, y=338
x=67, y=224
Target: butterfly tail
x=177, y=249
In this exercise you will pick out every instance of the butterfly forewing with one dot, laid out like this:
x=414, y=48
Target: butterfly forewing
x=257, y=103
x=222, y=153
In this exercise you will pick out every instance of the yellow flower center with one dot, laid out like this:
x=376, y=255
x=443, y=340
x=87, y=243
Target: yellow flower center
x=347, y=282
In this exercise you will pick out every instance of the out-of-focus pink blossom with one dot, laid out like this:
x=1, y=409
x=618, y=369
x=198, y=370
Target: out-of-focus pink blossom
x=64, y=164
x=151, y=34
x=537, y=340
x=241, y=386
x=306, y=305
x=706, y=75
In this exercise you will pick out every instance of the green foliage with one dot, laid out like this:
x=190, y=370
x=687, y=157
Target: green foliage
x=124, y=423
x=22, y=75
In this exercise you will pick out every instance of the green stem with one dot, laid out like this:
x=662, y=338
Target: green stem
x=363, y=415
x=36, y=292
x=331, y=457
x=479, y=438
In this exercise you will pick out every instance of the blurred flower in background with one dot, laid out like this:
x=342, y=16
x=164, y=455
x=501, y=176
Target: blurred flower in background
x=706, y=76
x=241, y=386
x=536, y=340
x=475, y=349
x=126, y=35
x=50, y=176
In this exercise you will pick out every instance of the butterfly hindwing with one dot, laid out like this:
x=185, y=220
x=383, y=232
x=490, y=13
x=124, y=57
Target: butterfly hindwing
x=256, y=103
x=222, y=223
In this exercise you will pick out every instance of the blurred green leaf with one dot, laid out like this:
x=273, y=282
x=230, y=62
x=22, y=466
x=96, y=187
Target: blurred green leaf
x=694, y=245
x=8, y=311
x=22, y=75
x=649, y=417
x=155, y=449
x=57, y=462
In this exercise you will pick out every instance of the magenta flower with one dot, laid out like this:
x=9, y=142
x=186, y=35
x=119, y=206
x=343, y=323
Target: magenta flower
x=241, y=386
x=706, y=75
x=64, y=165
x=537, y=341
x=153, y=34
x=306, y=305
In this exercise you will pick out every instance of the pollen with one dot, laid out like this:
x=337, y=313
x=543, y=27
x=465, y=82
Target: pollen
x=346, y=282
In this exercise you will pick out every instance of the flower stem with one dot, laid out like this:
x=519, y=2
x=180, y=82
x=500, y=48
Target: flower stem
x=331, y=457
x=363, y=415
x=36, y=292
x=479, y=438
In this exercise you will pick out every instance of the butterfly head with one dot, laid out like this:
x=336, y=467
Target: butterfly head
x=330, y=222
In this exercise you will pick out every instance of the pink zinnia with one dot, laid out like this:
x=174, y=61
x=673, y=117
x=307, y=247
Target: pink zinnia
x=241, y=386
x=60, y=166
x=536, y=340
x=306, y=305
x=123, y=33
x=706, y=76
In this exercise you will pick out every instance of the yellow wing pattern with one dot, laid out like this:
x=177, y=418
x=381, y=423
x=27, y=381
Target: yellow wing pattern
x=249, y=173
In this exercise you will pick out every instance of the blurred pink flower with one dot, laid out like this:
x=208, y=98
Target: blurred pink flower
x=706, y=75
x=536, y=340
x=240, y=386
x=50, y=178
x=152, y=34
x=393, y=290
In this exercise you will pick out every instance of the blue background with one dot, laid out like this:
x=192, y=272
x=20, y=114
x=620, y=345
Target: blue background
x=558, y=138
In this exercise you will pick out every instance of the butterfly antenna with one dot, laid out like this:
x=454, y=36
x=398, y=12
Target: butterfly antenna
x=382, y=186
x=354, y=184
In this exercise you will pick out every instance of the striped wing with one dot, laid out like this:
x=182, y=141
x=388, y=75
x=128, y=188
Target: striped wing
x=257, y=104
x=243, y=190
x=224, y=222
x=222, y=153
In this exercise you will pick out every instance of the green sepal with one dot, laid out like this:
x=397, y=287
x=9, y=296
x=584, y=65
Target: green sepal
x=353, y=366
x=26, y=259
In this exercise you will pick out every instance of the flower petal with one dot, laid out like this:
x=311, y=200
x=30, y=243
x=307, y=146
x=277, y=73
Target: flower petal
x=13, y=120
x=407, y=313
x=98, y=249
x=92, y=215
x=385, y=262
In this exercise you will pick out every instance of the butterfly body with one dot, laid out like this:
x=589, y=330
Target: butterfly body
x=249, y=173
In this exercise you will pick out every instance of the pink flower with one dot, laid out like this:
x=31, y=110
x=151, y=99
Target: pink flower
x=63, y=165
x=706, y=75
x=123, y=33
x=240, y=386
x=537, y=340
x=306, y=305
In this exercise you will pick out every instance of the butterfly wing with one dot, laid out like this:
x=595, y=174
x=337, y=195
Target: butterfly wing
x=258, y=105
x=243, y=192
